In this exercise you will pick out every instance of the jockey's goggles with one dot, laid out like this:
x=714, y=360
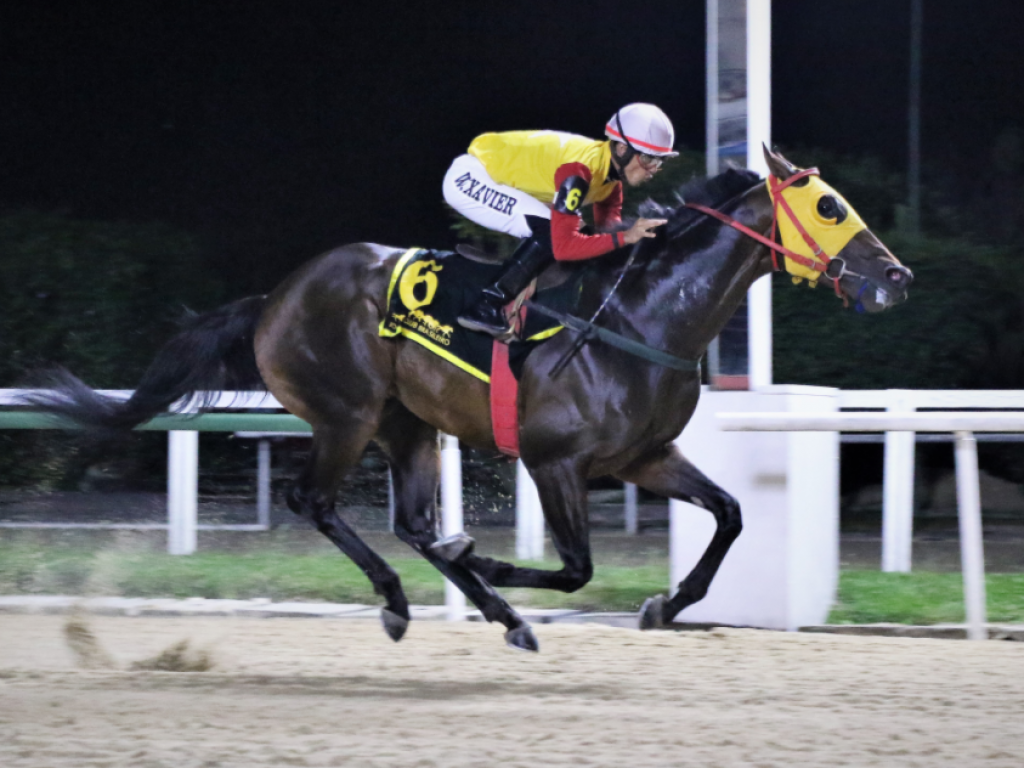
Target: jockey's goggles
x=650, y=162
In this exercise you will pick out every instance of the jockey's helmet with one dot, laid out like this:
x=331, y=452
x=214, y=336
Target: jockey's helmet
x=644, y=128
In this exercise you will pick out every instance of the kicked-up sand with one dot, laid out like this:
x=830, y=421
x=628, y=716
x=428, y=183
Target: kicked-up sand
x=322, y=692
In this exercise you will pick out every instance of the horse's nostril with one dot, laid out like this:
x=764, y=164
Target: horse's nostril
x=899, y=275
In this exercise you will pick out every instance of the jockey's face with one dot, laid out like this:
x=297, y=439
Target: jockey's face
x=637, y=171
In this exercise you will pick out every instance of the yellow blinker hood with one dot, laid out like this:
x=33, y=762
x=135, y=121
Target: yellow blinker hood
x=830, y=236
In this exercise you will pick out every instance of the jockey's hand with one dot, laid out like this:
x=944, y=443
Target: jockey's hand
x=642, y=228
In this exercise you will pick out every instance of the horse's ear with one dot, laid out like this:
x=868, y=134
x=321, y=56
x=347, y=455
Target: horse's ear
x=779, y=166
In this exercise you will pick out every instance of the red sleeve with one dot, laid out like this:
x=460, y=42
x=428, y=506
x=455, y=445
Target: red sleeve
x=567, y=243
x=608, y=212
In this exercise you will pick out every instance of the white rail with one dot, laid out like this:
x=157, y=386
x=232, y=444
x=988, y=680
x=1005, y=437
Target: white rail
x=228, y=400
x=182, y=469
x=963, y=425
x=898, y=482
x=873, y=422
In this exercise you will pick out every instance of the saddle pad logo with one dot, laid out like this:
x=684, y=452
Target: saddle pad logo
x=417, y=286
x=419, y=280
x=420, y=322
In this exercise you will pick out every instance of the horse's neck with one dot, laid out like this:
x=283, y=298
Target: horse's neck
x=700, y=279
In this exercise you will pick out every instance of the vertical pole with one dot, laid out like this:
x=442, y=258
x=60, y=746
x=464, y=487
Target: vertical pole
x=182, y=491
x=263, y=482
x=451, y=516
x=711, y=90
x=972, y=556
x=898, y=491
x=529, y=517
x=711, y=139
x=759, y=131
x=632, y=521
x=914, y=119
x=390, y=499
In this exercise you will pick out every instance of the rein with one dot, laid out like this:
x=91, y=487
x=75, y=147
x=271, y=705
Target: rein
x=585, y=336
x=588, y=331
x=822, y=261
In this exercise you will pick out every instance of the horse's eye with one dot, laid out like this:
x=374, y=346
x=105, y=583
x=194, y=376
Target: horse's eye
x=830, y=209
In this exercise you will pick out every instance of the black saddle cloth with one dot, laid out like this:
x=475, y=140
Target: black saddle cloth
x=430, y=289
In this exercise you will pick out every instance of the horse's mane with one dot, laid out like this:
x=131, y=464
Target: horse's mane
x=712, y=193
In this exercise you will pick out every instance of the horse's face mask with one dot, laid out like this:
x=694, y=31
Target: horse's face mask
x=815, y=222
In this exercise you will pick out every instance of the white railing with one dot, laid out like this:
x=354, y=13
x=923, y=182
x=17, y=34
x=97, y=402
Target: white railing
x=900, y=407
x=898, y=480
x=182, y=472
x=963, y=425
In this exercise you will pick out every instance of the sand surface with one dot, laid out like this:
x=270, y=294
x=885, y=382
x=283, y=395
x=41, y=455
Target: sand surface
x=320, y=692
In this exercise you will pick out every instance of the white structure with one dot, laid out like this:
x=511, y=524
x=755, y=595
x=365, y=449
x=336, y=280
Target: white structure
x=968, y=492
x=783, y=570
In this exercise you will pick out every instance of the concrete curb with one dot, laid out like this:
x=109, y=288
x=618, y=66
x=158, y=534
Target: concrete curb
x=936, y=631
x=264, y=608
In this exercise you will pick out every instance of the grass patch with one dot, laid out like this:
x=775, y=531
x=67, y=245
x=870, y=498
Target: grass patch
x=867, y=597
x=864, y=596
x=326, y=577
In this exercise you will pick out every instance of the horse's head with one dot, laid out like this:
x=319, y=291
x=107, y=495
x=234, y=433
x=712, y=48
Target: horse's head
x=823, y=235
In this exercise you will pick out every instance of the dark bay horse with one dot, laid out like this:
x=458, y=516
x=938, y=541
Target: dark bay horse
x=314, y=343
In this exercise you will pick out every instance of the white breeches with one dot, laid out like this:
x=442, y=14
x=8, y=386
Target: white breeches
x=473, y=193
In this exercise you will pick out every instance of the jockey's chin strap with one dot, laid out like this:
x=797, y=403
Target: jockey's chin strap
x=821, y=261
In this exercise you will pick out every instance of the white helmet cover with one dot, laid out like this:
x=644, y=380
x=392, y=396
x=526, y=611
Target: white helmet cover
x=644, y=127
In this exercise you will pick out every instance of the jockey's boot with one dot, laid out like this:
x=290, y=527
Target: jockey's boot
x=488, y=315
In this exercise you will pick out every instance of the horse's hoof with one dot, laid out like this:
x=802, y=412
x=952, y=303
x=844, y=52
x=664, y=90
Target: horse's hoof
x=652, y=613
x=522, y=639
x=394, y=624
x=452, y=548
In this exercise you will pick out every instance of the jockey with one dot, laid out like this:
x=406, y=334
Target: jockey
x=533, y=185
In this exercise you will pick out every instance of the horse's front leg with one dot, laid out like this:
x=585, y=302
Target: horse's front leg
x=668, y=473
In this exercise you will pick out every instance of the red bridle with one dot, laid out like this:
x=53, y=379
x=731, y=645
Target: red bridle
x=823, y=259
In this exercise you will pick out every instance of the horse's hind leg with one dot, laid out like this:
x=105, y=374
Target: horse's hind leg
x=334, y=452
x=411, y=445
x=668, y=473
x=563, y=495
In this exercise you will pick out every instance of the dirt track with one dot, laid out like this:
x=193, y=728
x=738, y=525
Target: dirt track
x=337, y=692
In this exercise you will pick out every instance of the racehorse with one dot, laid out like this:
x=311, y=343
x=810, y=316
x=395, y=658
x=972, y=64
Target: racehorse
x=314, y=343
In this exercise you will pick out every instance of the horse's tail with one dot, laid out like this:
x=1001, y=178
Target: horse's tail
x=212, y=351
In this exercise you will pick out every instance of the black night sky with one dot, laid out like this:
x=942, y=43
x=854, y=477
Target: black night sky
x=276, y=130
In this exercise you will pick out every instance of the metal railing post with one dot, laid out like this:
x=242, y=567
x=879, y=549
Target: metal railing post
x=451, y=516
x=263, y=482
x=972, y=556
x=630, y=510
x=529, y=517
x=898, y=491
x=182, y=491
